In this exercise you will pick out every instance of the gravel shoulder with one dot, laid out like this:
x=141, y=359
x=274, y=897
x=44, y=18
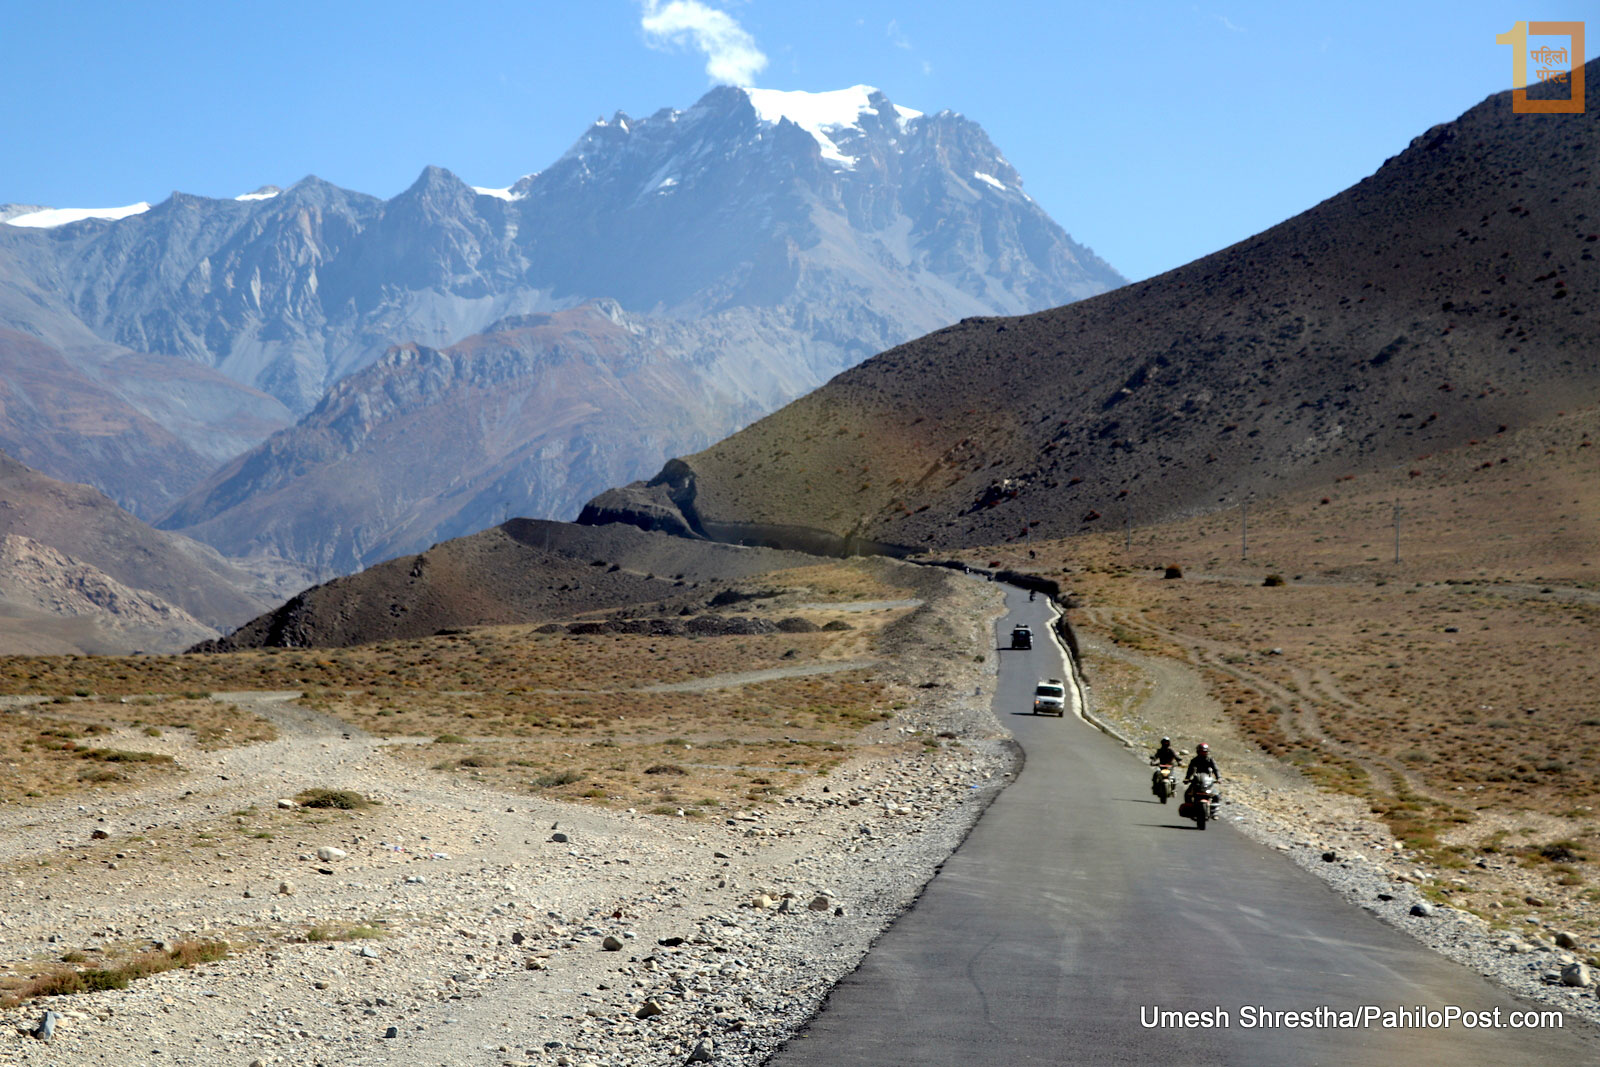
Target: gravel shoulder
x=494, y=909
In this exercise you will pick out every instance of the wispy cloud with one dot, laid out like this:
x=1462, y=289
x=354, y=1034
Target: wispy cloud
x=1228, y=23
x=897, y=36
x=731, y=53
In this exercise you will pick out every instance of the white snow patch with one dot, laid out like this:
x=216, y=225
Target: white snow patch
x=666, y=183
x=266, y=192
x=61, y=216
x=498, y=194
x=992, y=180
x=821, y=113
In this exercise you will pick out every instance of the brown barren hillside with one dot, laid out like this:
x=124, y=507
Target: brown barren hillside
x=524, y=570
x=1454, y=292
x=81, y=523
x=52, y=603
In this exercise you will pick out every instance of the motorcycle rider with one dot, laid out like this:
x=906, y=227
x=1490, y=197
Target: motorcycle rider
x=1201, y=764
x=1164, y=754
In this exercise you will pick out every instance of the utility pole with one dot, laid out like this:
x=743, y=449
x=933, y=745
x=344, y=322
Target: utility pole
x=1244, y=529
x=1397, y=528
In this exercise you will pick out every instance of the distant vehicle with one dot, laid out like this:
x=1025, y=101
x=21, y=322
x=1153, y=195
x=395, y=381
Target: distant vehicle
x=1050, y=698
x=1021, y=637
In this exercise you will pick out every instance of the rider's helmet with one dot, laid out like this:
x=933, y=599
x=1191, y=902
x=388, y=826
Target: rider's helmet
x=1166, y=741
x=1202, y=748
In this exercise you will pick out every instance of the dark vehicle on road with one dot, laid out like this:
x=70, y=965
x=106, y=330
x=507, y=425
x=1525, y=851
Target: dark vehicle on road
x=1200, y=801
x=1021, y=637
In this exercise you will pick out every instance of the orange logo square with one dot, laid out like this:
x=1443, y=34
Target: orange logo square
x=1560, y=65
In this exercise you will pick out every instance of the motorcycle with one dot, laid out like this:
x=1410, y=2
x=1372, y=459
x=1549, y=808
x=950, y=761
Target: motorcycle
x=1161, y=783
x=1200, y=803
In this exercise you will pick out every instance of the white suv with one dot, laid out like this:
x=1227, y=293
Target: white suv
x=1050, y=698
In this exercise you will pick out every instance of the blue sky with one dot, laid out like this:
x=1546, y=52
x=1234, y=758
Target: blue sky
x=1153, y=132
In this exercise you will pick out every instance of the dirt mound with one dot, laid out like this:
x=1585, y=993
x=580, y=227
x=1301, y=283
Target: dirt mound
x=1448, y=297
x=523, y=571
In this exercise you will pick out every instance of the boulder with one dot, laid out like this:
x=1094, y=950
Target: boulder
x=47, y=1026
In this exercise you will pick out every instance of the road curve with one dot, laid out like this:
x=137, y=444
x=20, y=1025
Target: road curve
x=1079, y=905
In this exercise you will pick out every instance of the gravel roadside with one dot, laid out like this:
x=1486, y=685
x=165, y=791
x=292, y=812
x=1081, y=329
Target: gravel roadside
x=514, y=930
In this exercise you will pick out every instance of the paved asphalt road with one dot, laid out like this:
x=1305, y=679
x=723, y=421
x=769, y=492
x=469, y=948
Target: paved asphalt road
x=1078, y=903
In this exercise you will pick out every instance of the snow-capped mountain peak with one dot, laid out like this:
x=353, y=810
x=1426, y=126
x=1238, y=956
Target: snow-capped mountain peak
x=823, y=114
x=499, y=194
x=51, y=217
x=266, y=192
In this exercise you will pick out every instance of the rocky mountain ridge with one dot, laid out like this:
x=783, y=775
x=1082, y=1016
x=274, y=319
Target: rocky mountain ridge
x=770, y=246
x=428, y=444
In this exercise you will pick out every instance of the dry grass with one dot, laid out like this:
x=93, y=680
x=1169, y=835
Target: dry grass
x=66, y=981
x=65, y=746
x=360, y=932
x=45, y=756
x=843, y=581
x=505, y=657
x=547, y=691
x=208, y=722
x=565, y=716
x=667, y=751
x=535, y=712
